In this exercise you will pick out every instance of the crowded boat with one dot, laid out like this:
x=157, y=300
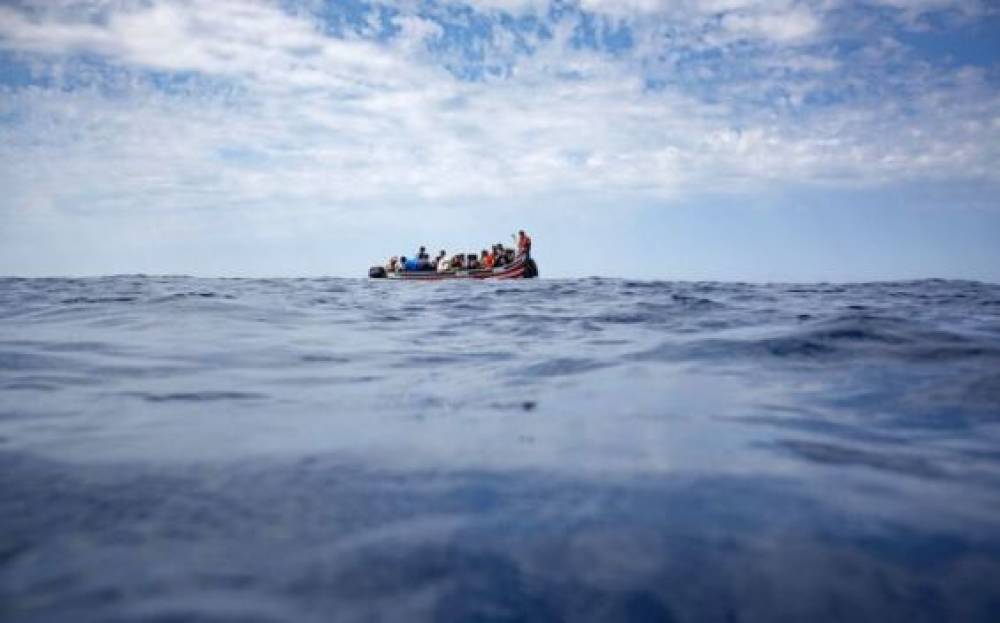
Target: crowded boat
x=498, y=261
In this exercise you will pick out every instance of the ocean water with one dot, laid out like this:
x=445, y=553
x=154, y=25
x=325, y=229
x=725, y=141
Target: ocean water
x=180, y=449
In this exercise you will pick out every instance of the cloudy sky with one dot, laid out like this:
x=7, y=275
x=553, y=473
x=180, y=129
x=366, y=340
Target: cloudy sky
x=790, y=140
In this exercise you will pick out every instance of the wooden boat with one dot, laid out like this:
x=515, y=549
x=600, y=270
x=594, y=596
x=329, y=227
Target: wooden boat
x=521, y=268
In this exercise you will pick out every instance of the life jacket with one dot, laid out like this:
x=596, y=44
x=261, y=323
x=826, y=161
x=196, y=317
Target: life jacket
x=488, y=261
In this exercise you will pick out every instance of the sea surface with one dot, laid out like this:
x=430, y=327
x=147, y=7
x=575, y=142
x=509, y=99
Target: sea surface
x=181, y=449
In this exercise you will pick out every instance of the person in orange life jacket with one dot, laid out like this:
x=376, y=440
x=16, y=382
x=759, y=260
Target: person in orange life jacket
x=487, y=261
x=523, y=243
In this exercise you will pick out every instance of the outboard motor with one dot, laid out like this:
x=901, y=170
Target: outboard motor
x=376, y=272
x=530, y=269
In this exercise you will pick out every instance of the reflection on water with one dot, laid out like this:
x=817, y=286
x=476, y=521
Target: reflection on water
x=595, y=450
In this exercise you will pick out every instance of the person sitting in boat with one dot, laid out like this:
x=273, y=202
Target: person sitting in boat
x=392, y=264
x=471, y=262
x=440, y=259
x=523, y=244
x=508, y=256
x=443, y=264
x=402, y=263
x=458, y=261
x=504, y=255
x=487, y=260
x=423, y=260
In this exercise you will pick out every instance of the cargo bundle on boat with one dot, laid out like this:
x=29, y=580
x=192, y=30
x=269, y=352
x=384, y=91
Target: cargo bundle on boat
x=498, y=263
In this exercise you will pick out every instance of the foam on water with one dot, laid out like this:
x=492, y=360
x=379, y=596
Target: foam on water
x=305, y=449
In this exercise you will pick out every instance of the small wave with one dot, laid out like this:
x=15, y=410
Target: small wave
x=835, y=454
x=560, y=366
x=695, y=301
x=18, y=361
x=445, y=359
x=323, y=358
x=180, y=296
x=200, y=396
x=522, y=405
x=625, y=318
x=29, y=385
x=843, y=338
x=88, y=300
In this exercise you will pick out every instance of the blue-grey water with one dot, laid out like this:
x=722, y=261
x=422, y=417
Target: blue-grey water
x=180, y=449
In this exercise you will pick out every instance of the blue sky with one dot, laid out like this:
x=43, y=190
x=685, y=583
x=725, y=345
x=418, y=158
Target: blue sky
x=789, y=140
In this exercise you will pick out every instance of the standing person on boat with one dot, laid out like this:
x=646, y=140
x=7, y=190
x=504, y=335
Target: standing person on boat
x=487, y=261
x=523, y=244
x=440, y=259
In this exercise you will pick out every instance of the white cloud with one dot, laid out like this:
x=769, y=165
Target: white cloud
x=288, y=118
x=793, y=25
